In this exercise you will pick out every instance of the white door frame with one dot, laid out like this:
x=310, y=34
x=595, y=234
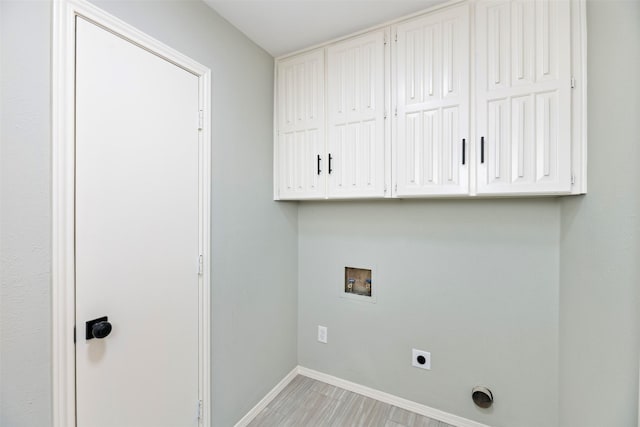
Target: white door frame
x=63, y=200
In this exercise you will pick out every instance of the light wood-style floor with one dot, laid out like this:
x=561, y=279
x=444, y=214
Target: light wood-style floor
x=306, y=403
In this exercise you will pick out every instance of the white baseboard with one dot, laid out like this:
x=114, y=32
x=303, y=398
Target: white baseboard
x=267, y=399
x=409, y=405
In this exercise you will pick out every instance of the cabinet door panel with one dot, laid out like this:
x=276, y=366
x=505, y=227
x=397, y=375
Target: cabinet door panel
x=300, y=121
x=432, y=87
x=497, y=147
x=356, y=82
x=353, y=156
x=521, y=137
x=497, y=51
x=422, y=132
x=522, y=43
x=298, y=150
x=523, y=98
x=546, y=135
x=451, y=155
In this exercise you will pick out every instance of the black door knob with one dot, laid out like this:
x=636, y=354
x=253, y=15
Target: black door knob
x=98, y=328
x=101, y=329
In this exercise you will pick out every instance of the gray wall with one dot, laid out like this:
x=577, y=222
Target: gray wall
x=25, y=255
x=600, y=242
x=254, y=240
x=538, y=299
x=475, y=282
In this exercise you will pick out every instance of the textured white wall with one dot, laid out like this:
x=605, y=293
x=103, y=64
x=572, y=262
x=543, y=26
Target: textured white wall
x=254, y=266
x=600, y=244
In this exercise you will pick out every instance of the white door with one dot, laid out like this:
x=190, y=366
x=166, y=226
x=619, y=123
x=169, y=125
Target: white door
x=356, y=104
x=432, y=117
x=137, y=232
x=523, y=96
x=301, y=163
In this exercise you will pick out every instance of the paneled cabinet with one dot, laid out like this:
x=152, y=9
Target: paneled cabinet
x=300, y=122
x=350, y=87
x=432, y=104
x=356, y=123
x=471, y=99
x=523, y=84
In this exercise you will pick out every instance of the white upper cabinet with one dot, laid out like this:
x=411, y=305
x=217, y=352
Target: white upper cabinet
x=432, y=104
x=523, y=84
x=356, y=124
x=300, y=123
x=471, y=98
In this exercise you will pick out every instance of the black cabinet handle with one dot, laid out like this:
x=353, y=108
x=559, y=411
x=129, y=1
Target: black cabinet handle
x=482, y=149
x=330, y=158
x=319, y=164
x=464, y=150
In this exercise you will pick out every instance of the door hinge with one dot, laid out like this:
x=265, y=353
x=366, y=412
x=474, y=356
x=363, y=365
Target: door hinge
x=385, y=114
x=396, y=36
x=74, y=334
x=573, y=179
x=200, y=265
x=573, y=82
x=200, y=119
x=395, y=188
x=385, y=39
x=199, y=410
x=395, y=112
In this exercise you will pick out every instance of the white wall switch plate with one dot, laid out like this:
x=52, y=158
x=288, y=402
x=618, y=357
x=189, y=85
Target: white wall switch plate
x=421, y=359
x=322, y=334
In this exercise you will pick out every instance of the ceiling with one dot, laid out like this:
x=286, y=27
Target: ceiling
x=284, y=26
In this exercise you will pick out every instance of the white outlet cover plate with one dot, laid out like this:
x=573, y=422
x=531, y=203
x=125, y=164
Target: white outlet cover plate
x=427, y=359
x=322, y=334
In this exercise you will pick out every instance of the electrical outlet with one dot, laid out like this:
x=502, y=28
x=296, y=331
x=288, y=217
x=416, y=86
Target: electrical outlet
x=322, y=334
x=421, y=359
